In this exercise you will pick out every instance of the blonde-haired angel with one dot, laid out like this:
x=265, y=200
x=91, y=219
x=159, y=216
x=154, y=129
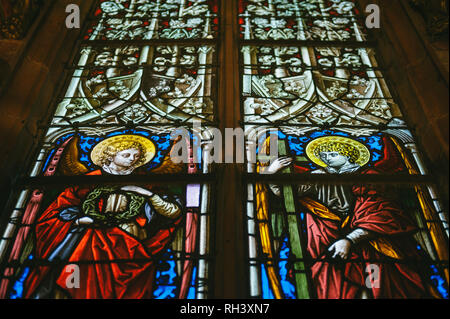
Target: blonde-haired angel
x=352, y=227
x=112, y=233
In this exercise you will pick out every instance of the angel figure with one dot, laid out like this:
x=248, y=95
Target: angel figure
x=350, y=228
x=111, y=233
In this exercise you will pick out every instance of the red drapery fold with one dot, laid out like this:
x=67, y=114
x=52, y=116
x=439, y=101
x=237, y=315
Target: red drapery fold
x=112, y=263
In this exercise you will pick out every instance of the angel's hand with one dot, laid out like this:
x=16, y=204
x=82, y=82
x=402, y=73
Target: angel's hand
x=278, y=165
x=84, y=221
x=138, y=190
x=341, y=249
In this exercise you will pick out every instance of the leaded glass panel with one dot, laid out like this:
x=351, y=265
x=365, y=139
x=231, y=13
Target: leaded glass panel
x=292, y=228
x=158, y=19
x=333, y=86
x=313, y=20
x=108, y=208
x=347, y=198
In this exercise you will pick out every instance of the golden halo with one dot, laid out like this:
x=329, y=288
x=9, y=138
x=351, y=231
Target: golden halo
x=363, y=156
x=98, y=150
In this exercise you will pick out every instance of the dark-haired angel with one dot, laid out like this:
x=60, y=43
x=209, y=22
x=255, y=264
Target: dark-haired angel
x=108, y=231
x=350, y=228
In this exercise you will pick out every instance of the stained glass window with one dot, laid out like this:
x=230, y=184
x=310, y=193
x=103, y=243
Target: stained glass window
x=346, y=209
x=105, y=211
x=300, y=20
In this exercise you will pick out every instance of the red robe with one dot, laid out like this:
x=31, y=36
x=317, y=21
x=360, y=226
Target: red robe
x=131, y=276
x=373, y=212
x=346, y=280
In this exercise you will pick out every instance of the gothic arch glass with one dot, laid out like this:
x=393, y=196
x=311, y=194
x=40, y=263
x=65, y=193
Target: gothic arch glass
x=346, y=209
x=105, y=212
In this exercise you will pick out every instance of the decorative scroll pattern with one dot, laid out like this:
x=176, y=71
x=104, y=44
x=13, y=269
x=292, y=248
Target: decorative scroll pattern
x=141, y=84
x=158, y=19
x=317, y=20
x=315, y=86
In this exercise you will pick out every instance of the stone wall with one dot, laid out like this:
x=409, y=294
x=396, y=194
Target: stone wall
x=37, y=63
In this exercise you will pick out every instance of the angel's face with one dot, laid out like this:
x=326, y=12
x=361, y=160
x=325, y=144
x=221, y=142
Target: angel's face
x=126, y=158
x=333, y=159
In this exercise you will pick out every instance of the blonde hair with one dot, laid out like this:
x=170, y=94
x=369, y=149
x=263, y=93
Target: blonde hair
x=111, y=150
x=344, y=149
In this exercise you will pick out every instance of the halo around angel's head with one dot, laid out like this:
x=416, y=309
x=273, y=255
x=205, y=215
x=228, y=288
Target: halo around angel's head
x=357, y=152
x=119, y=143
